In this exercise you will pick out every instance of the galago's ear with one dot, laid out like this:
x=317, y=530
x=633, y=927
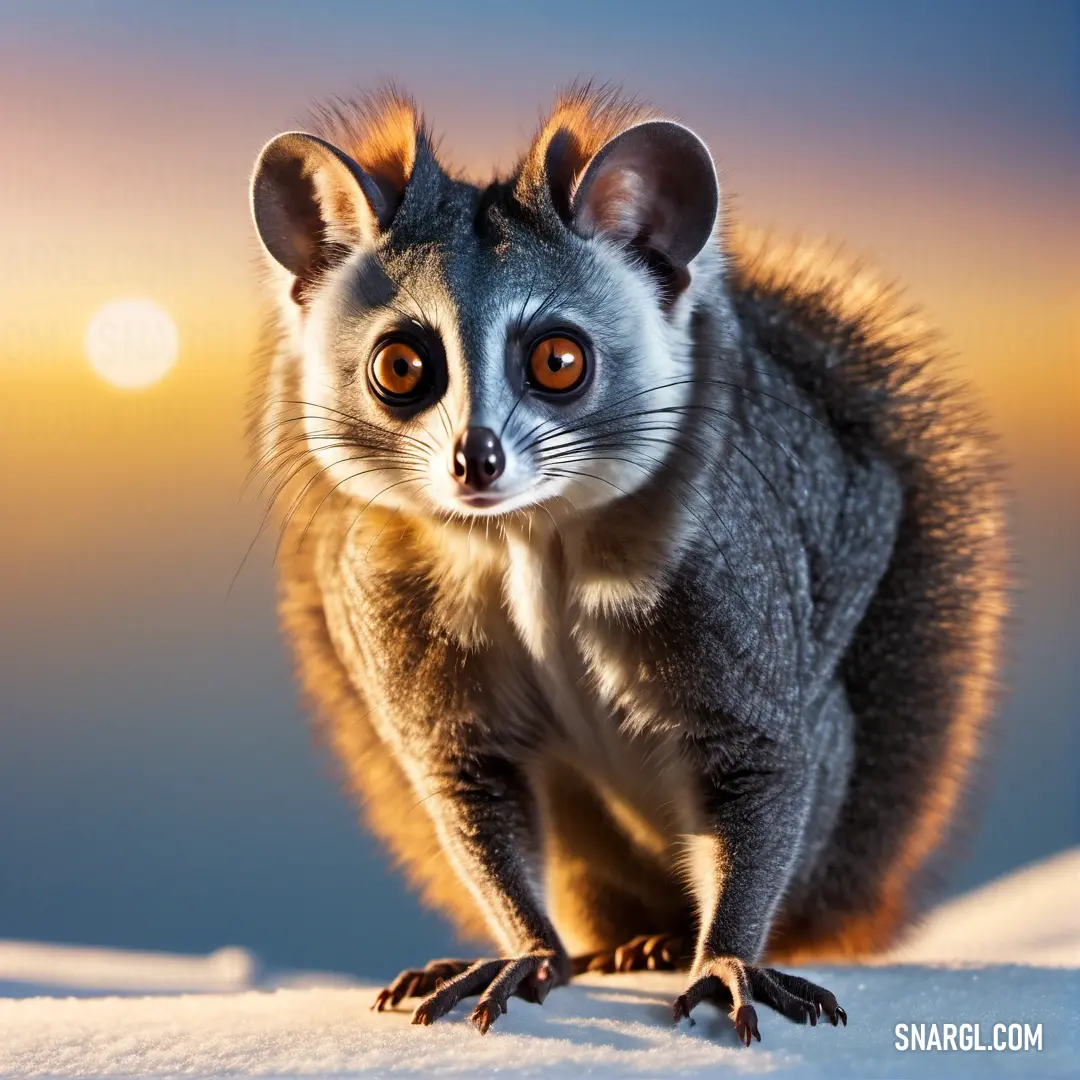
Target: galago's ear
x=653, y=187
x=309, y=198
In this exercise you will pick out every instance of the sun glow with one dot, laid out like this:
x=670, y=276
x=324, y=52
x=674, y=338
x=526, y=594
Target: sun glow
x=132, y=343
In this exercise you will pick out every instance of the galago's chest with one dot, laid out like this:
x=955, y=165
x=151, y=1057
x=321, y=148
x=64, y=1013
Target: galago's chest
x=608, y=721
x=538, y=605
x=559, y=663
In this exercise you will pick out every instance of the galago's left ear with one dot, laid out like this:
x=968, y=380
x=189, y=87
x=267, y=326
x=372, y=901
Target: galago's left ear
x=652, y=187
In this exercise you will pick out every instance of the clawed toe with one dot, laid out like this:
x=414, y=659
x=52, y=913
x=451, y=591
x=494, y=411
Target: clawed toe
x=731, y=984
x=425, y=1013
x=444, y=983
x=485, y=1014
x=746, y=1024
x=681, y=1010
x=815, y=999
x=418, y=982
x=648, y=952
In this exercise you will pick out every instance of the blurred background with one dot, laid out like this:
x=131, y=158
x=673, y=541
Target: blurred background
x=158, y=786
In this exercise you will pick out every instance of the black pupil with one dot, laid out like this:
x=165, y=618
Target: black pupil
x=401, y=367
x=556, y=362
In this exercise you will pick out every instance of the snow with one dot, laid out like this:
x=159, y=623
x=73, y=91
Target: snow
x=1022, y=935
x=1030, y=917
x=74, y=968
x=609, y=1026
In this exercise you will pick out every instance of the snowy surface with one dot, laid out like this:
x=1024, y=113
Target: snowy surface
x=1023, y=933
x=27, y=967
x=613, y=1026
x=1030, y=917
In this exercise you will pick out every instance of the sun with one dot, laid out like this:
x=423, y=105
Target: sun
x=132, y=343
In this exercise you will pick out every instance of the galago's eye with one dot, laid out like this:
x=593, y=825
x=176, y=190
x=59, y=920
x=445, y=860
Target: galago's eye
x=557, y=364
x=400, y=373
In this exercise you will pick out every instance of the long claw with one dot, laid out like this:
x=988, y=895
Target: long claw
x=681, y=1009
x=485, y=1014
x=746, y=1024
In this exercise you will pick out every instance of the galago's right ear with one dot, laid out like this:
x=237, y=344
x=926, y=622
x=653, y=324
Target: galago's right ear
x=311, y=200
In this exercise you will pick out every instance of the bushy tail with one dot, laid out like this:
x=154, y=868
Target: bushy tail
x=920, y=673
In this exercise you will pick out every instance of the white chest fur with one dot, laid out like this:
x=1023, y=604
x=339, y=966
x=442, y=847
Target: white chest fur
x=638, y=772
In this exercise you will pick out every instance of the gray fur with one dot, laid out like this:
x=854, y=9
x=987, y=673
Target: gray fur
x=718, y=664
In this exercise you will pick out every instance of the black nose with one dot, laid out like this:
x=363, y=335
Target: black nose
x=478, y=458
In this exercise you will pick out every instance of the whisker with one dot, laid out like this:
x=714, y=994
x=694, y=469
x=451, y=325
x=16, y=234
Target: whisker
x=689, y=509
x=379, y=494
x=337, y=486
x=360, y=423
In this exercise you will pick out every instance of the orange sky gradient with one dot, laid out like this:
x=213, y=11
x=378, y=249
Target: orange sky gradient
x=109, y=199
x=131, y=177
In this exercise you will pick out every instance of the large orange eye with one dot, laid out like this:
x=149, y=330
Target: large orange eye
x=398, y=371
x=557, y=363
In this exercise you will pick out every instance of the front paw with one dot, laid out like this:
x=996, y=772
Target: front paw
x=731, y=984
x=419, y=982
x=797, y=998
x=530, y=976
